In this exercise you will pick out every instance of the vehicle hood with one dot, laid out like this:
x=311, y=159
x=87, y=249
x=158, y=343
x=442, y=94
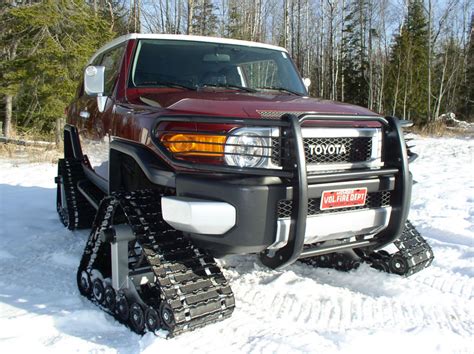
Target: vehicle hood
x=254, y=105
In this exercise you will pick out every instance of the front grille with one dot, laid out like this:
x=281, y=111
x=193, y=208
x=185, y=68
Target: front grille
x=373, y=200
x=356, y=149
x=276, y=151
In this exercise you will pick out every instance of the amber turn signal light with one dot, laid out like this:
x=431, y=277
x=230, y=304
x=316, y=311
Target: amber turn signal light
x=194, y=144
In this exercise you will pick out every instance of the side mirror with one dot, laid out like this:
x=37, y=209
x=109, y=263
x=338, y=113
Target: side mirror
x=307, y=82
x=94, y=78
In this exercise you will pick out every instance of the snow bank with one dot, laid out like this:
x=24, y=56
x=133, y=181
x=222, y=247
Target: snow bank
x=298, y=310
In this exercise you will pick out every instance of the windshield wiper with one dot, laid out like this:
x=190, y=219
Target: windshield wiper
x=242, y=88
x=282, y=89
x=167, y=84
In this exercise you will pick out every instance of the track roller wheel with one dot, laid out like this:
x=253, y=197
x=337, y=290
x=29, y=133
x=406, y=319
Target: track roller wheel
x=84, y=283
x=109, y=298
x=324, y=261
x=98, y=290
x=345, y=263
x=398, y=264
x=122, y=308
x=339, y=262
x=167, y=316
x=137, y=318
x=152, y=319
x=380, y=264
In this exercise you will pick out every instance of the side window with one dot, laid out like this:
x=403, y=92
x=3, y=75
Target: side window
x=97, y=60
x=111, y=60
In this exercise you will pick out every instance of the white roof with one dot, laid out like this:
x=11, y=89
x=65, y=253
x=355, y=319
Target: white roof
x=183, y=37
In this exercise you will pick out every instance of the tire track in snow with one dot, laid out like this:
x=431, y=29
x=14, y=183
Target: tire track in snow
x=447, y=283
x=343, y=309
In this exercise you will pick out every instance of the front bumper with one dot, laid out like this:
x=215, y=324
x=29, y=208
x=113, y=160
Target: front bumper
x=251, y=223
x=241, y=215
x=336, y=226
x=198, y=216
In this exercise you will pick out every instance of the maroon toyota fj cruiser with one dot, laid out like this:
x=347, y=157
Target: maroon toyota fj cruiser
x=179, y=149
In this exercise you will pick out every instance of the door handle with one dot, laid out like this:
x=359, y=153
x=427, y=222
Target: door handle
x=84, y=114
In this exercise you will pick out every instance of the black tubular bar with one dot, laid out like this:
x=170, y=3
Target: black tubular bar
x=217, y=154
x=292, y=250
x=193, y=132
x=211, y=143
x=395, y=158
x=403, y=183
x=349, y=118
x=255, y=171
x=191, y=152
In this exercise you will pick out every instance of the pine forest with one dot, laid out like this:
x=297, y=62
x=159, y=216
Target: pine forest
x=409, y=58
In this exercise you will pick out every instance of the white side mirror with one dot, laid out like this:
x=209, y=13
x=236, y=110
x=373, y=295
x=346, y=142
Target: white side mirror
x=94, y=77
x=307, y=82
x=94, y=80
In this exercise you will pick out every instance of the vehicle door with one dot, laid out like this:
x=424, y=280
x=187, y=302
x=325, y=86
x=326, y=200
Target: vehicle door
x=94, y=125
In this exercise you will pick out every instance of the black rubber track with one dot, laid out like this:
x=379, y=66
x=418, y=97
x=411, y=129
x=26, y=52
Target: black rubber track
x=75, y=212
x=188, y=290
x=414, y=254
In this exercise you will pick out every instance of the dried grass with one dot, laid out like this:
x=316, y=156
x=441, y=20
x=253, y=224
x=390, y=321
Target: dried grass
x=30, y=154
x=440, y=129
x=30, y=147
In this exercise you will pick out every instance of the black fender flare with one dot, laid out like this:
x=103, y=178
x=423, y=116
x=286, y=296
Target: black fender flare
x=151, y=166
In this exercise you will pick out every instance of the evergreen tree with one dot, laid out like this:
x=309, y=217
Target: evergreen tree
x=54, y=40
x=407, y=79
x=234, y=28
x=448, y=76
x=204, y=19
x=355, y=63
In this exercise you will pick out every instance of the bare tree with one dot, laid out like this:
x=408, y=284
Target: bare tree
x=189, y=26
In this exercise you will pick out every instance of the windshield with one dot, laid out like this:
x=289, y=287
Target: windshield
x=195, y=65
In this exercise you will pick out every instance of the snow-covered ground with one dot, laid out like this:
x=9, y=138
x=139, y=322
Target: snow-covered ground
x=300, y=309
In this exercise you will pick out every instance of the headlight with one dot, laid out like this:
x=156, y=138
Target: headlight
x=193, y=144
x=248, y=147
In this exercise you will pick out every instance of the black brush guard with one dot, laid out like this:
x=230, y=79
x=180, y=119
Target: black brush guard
x=395, y=163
